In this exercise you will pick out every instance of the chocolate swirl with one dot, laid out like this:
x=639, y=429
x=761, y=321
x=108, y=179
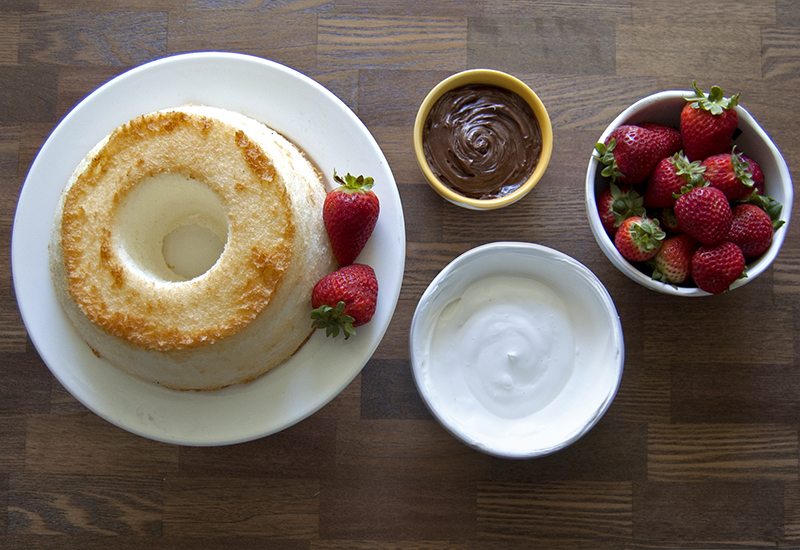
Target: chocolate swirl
x=483, y=141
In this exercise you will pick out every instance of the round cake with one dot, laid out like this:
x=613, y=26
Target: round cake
x=186, y=245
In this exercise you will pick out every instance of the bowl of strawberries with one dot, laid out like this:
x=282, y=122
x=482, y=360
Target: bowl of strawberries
x=687, y=195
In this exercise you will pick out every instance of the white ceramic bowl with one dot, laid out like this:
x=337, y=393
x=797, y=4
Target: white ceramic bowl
x=517, y=349
x=665, y=108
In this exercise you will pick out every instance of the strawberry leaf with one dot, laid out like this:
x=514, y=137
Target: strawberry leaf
x=351, y=183
x=605, y=156
x=692, y=172
x=625, y=204
x=689, y=186
x=333, y=320
x=741, y=169
x=714, y=102
x=647, y=234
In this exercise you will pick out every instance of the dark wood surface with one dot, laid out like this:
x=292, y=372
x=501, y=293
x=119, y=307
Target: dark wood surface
x=700, y=448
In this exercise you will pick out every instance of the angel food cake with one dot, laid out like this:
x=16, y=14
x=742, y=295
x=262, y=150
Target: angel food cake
x=165, y=186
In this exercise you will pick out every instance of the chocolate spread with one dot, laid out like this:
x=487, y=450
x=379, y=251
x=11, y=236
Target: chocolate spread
x=483, y=141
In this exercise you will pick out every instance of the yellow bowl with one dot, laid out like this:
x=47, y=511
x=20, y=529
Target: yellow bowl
x=493, y=78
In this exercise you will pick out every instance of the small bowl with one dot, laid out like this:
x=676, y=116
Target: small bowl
x=502, y=80
x=516, y=349
x=664, y=108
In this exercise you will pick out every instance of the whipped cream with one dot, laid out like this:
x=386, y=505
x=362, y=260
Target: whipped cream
x=504, y=347
x=517, y=354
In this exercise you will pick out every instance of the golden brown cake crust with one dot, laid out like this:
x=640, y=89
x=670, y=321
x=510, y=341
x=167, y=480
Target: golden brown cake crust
x=233, y=292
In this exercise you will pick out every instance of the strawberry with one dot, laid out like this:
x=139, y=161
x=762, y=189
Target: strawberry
x=769, y=205
x=615, y=204
x=708, y=123
x=672, y=262
x=344, y=299
x=705, y=214
x=751, y=230
x=715, y=268
x=350, y=213
x=638, y=238
x=670, y=175
x=731, y=174
x=671, y=135
x=631, y=152
x=755, y=173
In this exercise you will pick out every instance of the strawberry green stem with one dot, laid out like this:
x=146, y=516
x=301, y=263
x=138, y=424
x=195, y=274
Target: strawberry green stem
x=352, y=184
x=741, y=169
x=714, y=102
x=647, y=234
x=334, y=320
x=605, y=155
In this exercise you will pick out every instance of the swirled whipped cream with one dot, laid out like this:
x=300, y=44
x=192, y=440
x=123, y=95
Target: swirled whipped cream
x=504, y=347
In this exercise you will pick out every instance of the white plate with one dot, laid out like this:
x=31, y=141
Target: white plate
x=292, y=104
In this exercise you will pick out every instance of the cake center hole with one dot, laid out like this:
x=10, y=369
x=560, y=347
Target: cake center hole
x=191, y=250
x=171, y=227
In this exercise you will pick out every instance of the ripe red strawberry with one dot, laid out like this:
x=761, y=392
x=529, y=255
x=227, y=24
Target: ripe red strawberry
x=731, y=174
x=344, y=299
x=671, y=135
x=708, y=123
x=715, y=268
x=670, y=175
x=769, y=205
x=755, y=173
x=350, y=213
x=751, y=229
x=638, y=238
x=673, y=261
x=631, y=152
x=705, y=214
x=614, y=204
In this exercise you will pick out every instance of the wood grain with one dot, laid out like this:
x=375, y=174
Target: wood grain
x=700, y=448
x=24, y=383
x=4, y=500
x=102, y=449
x=272, y=457
x=412, y=450
x=292, y=41
x=749, y=393
x=707, y=451
x=387, y=509
x=741, y=513
x=12, y=452
x=272, y=507
x=50, y=505
x=780, y=61
x=9, y=39
x=392, y=42
x=573, y=45
x=567, y=510
x=638, y=47
x=38, y=88
x=760, y=13
x=113, y=39
x=389, y=393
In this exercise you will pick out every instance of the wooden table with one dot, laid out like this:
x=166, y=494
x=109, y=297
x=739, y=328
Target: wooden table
x=699, y=449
